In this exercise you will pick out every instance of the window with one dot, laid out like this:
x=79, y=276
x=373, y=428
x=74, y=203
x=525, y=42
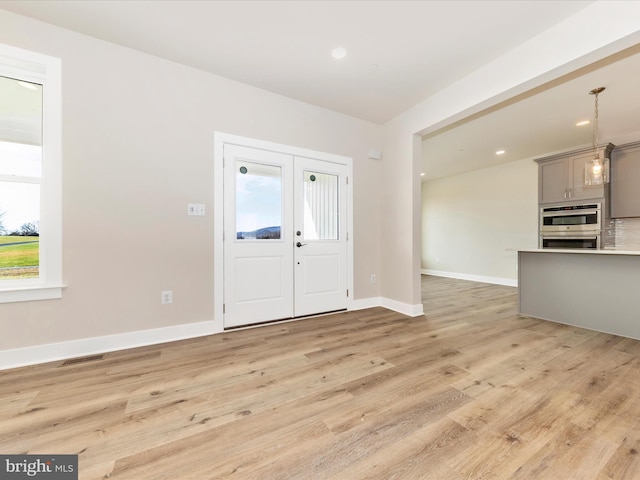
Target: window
x=258, y=201
x=30, y=176
x=20, y=176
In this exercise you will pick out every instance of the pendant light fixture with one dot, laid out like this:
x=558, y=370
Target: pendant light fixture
x=596, y=170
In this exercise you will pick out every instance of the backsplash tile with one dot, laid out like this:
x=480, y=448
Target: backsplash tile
x=622, y=234
x=609, y=234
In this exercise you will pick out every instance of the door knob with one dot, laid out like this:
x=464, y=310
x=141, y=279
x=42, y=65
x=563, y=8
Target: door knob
x=300, y=244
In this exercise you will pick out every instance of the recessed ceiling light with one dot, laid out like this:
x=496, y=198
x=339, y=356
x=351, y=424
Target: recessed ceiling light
x=338, y=52
x=583, y=123
x=500, y=152
x=422, y=174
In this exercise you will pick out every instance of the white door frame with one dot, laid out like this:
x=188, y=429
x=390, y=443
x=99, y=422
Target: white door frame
x=219, y=140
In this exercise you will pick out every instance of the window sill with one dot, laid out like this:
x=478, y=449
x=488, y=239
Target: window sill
x=28, y=294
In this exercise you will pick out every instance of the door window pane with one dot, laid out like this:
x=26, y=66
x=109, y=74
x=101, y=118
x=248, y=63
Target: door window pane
x=258, y=201
x=320, y=206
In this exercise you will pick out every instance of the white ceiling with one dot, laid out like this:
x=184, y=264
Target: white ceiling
x=544, y=121
x=399, y=53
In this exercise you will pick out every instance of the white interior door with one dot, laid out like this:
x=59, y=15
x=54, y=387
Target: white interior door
x=321, y=243
x=258, y=242
x=285, y=236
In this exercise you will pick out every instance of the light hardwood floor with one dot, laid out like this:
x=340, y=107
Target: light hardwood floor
x=470, y=391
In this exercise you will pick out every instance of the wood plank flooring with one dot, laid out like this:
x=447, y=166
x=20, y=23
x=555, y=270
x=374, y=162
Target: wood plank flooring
x=469, y=391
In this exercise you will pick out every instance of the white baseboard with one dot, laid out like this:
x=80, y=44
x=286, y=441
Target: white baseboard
x=52, y=352
x=20, y=357
x=366, y=303
x=509, y=282
x=403, y=308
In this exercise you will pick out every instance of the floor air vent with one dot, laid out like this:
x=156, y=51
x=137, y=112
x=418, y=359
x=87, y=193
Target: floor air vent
x=91, y=358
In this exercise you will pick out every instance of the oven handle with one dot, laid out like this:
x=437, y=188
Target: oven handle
x=582, y=227
x=569, y=237
x=572, y=213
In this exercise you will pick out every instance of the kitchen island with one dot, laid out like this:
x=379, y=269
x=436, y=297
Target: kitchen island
x=594, y=289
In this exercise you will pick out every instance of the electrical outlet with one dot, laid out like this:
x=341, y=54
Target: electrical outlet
x=373, y=278
x=166, y=296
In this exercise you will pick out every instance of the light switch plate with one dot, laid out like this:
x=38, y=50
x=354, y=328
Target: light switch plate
x=195, y=209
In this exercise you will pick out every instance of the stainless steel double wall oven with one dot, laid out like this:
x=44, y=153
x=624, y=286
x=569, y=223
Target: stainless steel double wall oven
x=571, y=226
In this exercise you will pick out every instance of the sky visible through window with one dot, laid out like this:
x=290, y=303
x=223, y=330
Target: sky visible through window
x=258, y=197
x=19, y=201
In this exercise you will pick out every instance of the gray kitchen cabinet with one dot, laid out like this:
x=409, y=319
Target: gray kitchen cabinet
x=561, y=177
x=625, y=181
x=553, y=179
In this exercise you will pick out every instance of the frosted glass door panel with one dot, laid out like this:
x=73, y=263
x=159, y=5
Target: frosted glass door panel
x=320, y=206
x=258, y=201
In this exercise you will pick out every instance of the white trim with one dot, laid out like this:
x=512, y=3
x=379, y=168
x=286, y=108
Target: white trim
x=52, y=352
x=46, y=70
x=219, y=140
x=280, y=148
x=403, y=308
x=509, y=282
x=363, y=303
x=350, y=234
x=218, y=230
x=27, y=294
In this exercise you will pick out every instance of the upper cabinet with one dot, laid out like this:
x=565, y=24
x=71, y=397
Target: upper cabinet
x=561, y=177
x=625, y=181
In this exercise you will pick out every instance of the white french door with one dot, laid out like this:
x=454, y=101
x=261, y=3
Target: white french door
x=258, y=261
x=320, y=277
x=285, y=236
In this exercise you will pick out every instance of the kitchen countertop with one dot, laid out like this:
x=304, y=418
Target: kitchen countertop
x=603, y=251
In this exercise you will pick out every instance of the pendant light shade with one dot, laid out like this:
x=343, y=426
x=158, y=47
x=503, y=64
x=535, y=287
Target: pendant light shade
x=596, y=170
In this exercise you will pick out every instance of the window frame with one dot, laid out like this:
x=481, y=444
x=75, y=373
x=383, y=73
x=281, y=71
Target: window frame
x=45, y=70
